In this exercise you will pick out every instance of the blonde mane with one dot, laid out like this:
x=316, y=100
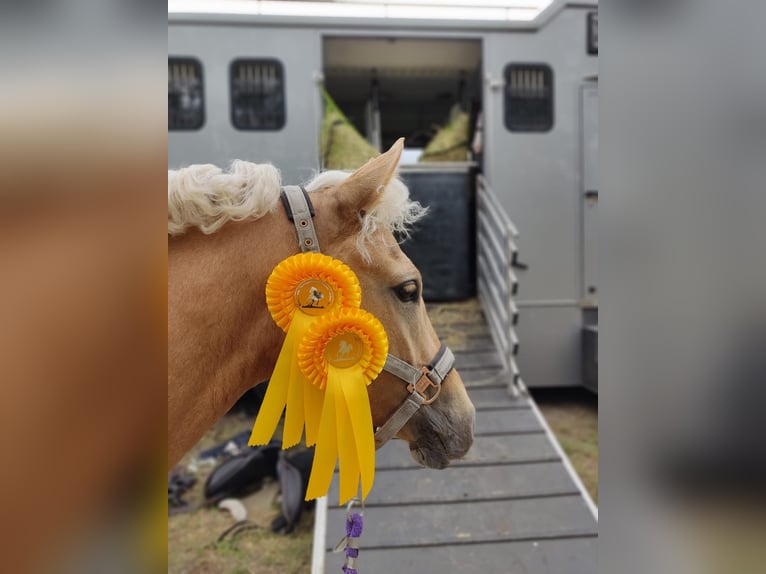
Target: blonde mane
x=205, y=197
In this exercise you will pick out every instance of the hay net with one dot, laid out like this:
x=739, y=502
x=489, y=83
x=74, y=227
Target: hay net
x=451, y=141
x=341, y=146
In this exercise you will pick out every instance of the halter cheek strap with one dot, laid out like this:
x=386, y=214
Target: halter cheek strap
x=424, y=384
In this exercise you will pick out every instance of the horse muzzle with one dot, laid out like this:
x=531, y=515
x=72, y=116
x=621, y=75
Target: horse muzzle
x=424, y=385
x=443, y=431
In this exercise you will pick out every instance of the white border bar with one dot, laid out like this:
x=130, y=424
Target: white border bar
x=565, y=459
x=320, y=536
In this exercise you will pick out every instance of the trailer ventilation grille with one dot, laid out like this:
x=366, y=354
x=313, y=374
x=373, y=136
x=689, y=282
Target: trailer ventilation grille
x=257, y=95
x=185, y=95
x=528, y=97
x=592, y=39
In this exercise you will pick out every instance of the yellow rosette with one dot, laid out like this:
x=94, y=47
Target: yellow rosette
x=299, y=291
x=342, y=353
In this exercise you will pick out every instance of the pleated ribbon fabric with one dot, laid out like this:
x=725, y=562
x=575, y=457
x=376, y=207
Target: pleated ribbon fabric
x=341, y=353
x=301, y=290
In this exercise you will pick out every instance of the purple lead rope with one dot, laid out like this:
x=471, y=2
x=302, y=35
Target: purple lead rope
x=354, y=525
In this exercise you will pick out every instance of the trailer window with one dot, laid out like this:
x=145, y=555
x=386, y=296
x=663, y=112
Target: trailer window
x=528, y=97
x=186, y=110
x=257, y=94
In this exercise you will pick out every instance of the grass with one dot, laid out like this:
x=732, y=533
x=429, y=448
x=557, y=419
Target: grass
x=572, y=415
x=192, y=547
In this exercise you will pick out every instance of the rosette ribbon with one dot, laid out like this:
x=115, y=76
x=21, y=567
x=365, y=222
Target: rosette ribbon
x=300, y=290
x=341, y=353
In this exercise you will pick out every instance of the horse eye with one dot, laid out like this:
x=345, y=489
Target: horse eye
x=408, y=291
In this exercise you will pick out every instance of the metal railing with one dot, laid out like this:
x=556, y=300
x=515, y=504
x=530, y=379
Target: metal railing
x=497, y=283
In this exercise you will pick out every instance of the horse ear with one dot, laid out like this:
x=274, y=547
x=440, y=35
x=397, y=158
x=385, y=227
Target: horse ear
x=362, y=188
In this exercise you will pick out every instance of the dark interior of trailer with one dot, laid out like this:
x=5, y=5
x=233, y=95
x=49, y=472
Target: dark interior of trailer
x=413, y=84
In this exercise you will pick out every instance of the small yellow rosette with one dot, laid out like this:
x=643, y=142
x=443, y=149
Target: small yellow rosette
x=342, y=353
x=301, y=289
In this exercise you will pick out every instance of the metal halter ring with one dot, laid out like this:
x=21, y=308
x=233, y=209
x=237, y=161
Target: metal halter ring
x=423, y=383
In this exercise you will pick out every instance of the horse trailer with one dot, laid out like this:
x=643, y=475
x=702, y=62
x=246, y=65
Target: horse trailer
x=245, y=82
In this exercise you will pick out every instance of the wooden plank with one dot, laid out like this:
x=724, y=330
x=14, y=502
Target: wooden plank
x=563, y=556
x=462, y=522
x=484, y=377
x=467, y=329
x=496, y=397
x=459, y=343
x=498, y=449
x=444, y=308
x=456, y=316
x=477, y=360
x=510, y=421
x=419, y=485
x=463, y=343
x=520, y=405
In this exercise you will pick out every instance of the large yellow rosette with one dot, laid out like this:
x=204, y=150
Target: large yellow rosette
x=299, y=291
x=342, y=353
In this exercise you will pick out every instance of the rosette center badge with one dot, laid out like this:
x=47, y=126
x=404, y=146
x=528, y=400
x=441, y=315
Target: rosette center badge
x=344, y=350
x=314, y=297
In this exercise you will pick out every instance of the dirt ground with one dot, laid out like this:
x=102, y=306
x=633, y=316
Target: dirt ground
x=192, y=537
x=572, y=415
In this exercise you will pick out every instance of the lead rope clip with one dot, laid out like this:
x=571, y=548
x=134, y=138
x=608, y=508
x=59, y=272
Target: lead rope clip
x=350, y=542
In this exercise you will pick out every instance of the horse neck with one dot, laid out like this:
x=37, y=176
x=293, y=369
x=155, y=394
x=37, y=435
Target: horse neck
x=221, y=339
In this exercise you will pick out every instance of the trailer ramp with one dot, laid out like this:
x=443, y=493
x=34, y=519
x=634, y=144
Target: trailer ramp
x=512, y=505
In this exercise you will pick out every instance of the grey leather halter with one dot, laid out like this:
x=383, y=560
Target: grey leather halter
x=424, y=384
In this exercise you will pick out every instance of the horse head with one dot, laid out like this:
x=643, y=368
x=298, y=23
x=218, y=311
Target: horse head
x=226, y=234
x=356, y=217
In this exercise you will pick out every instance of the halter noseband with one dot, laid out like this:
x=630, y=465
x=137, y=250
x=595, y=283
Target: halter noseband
x=424, y=384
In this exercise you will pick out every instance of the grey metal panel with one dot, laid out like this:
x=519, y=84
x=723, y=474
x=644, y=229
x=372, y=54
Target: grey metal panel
x=549, y=354
x=537, y=178
x=589, y=96
x=293, y=149
x=498, y=449
x=466, y=483
x=564, y=556
x=456, y=523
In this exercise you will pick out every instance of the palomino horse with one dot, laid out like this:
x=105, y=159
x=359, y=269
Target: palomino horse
x=221, y=338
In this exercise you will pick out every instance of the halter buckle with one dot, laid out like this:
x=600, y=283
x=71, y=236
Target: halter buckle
x=423, y=383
